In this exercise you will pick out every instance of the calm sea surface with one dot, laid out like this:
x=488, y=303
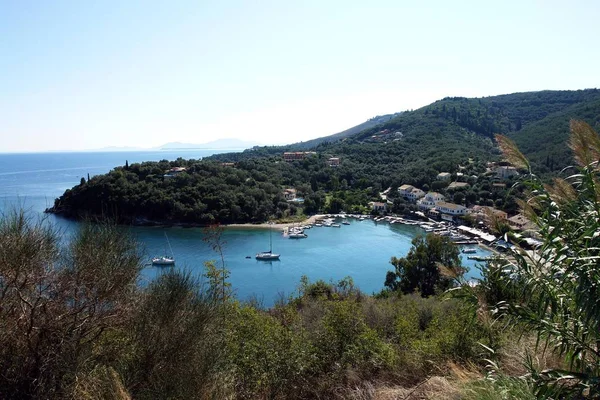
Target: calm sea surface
x=361, y=250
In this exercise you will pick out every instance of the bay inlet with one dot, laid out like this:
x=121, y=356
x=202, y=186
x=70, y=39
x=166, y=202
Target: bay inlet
x=361, y=250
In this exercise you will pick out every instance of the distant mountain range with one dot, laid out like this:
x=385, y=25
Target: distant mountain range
x=219, y=144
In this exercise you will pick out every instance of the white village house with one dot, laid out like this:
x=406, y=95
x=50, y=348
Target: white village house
x=378, y=206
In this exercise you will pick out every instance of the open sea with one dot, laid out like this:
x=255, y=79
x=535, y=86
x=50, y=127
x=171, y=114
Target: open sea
x=361, y=250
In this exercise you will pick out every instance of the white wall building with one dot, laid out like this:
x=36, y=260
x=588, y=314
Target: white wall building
x=450, y=208
x=430, y=200
x=410, y=193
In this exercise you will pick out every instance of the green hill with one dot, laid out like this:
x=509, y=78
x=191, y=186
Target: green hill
x=450, y=135
x=537, y=121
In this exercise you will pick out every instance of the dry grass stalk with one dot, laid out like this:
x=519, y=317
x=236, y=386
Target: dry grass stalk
x=511, y=152
x=528, y=208
x=562, y=192
x=585, y=143
x=435, y=387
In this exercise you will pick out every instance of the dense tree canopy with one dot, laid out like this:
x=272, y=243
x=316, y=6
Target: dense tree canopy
x=423, y=268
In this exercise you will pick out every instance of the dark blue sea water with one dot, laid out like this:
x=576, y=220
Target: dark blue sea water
x=361, y=250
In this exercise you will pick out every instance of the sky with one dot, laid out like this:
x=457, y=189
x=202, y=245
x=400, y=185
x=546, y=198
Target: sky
x=89, y=74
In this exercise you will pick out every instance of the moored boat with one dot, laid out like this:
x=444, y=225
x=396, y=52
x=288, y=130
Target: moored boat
x=268, y=255
x=297, y=235
x=163, y=260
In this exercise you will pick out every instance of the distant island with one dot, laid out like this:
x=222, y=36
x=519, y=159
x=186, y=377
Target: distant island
x=219, y=144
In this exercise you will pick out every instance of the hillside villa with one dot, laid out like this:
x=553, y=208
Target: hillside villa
x=289, y=194
x=333, y=162
x=444, y=176
x=505, y=172
x=174, y=172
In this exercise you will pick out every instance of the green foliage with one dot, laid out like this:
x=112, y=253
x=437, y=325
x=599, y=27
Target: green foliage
x=57, y=302
x=430, y=266
x=174, y=347
x=267, y=359
x=218, y=287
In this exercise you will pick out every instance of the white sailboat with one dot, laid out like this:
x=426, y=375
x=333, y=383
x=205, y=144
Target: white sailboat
x=268, y=255
x=165, y=260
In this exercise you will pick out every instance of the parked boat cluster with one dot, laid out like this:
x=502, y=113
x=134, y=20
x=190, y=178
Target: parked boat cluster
x=442, y=228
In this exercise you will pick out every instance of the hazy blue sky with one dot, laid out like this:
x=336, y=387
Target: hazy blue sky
x=86, y=74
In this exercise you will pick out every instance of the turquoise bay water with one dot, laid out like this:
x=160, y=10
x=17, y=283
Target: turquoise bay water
x=361, y=250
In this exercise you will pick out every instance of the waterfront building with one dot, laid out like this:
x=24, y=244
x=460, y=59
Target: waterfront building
x=378, y=206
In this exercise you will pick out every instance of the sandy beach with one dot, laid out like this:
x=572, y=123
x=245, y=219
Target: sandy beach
x=265, y=225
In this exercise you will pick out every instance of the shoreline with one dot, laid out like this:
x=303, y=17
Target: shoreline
x=284, y=225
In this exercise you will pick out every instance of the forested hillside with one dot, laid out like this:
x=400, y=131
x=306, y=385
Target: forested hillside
x=375, y=121
x=451, y=135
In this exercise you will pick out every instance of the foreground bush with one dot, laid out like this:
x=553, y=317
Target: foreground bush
x=75, y=324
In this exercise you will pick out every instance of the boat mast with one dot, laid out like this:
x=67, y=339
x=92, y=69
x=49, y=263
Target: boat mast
x=169, y=243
